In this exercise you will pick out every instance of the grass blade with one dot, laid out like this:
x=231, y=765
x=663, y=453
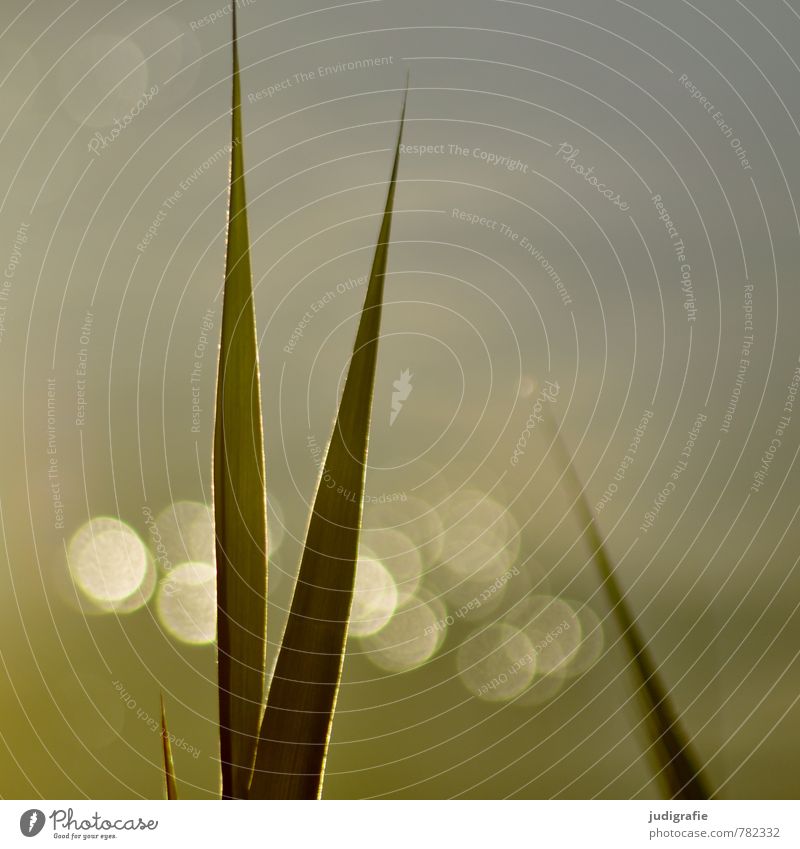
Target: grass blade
x=239, y=492
x=676, y=764
x=169, y=766
x=290, y=761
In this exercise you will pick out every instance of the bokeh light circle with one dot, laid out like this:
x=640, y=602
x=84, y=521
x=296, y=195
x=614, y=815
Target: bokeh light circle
x=186, y=603
x=107, y=560
x=374, y=597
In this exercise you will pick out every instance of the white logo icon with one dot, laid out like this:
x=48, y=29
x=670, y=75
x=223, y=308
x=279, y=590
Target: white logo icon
x=402, y=389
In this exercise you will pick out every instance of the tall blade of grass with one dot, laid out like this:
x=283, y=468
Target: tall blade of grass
x=676, y=764
x=239, y=492
x=169, y=766
x=295, y=731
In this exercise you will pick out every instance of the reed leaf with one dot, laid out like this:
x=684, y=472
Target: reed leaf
x=239, y=491
x=677, y=767
x=295, y=731
x=169, y=766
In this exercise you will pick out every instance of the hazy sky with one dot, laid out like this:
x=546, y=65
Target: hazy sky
x=599, y=194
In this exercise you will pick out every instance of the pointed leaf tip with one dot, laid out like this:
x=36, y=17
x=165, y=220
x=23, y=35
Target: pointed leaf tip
x=169, y=766
x=239, y=490
x=295, y=731
x=676, y=764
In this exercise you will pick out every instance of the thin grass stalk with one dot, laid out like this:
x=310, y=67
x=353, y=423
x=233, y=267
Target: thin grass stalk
x=169, y=766
x=295, y=732
x=239, y=490
x=677, y=766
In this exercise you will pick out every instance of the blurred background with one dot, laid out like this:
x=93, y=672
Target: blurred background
x=595, y=225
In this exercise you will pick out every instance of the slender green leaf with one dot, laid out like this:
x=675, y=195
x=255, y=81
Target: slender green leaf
x=290, y=761
x=169, y=766
x=239, y=492
x=676, y=764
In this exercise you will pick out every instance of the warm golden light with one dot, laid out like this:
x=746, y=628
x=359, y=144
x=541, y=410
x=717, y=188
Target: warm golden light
x=107, y=560
x=408, y=640
x=187, y=603
x=497, y=663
